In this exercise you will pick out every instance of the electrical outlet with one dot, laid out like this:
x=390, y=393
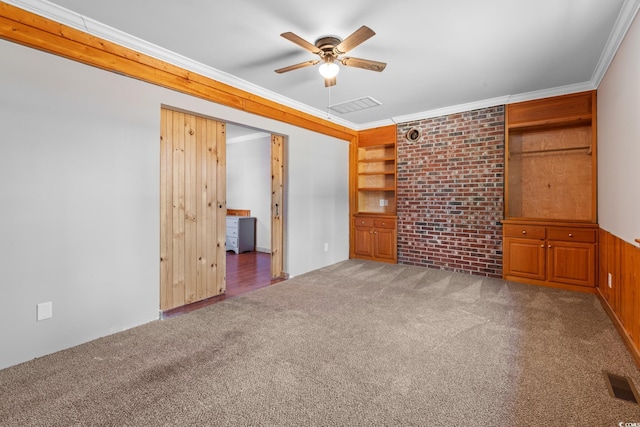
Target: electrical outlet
x=44, y=311
x=609, y=279
x=326, y=247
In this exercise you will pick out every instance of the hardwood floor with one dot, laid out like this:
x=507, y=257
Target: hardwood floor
x=246, y=272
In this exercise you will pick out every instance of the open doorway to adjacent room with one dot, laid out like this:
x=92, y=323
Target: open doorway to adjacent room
x=255, y=186
x=222, y=216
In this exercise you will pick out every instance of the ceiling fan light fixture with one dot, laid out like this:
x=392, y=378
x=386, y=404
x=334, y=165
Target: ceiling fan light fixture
x=330, y=50
x=329, y=70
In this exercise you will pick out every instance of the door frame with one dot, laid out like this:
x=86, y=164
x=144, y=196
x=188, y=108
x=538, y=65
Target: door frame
x=277, y=205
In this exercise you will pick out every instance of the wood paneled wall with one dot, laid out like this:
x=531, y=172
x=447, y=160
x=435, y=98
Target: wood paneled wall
x=621, y=300
x=192, y=208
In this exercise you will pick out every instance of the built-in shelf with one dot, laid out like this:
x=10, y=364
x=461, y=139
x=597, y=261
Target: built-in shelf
x=377, y=173
x=553, y=150
x=562, y=122
x=381, y=159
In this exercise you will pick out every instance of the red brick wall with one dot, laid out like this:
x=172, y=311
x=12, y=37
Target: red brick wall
x=450, y=192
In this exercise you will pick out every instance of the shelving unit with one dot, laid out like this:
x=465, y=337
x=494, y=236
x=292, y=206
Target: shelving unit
x=374, y=231
x=376, y=171
x=550, y=230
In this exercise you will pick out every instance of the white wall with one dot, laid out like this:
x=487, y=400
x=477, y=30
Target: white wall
x=619, y=141
x=79, y=185
x=249, y=184
x=317, y=189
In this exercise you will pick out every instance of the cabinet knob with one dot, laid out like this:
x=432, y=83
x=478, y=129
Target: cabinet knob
x=524, y=231
x=542, y=246
x=549, y=246
x=570, y=235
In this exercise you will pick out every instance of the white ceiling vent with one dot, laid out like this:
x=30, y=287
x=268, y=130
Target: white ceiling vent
x=355, y=105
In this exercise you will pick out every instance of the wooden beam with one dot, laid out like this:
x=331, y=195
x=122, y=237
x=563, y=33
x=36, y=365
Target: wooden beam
x=28, y=29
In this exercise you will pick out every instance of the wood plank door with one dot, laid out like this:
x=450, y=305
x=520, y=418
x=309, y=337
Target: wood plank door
x=277, y=208
x=192, y=208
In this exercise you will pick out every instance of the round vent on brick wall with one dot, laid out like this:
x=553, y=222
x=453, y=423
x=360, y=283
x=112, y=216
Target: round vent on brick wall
x=413, y=134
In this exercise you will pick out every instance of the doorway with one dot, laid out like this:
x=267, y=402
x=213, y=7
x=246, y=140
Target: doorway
x=255, y=187
x=194, y=205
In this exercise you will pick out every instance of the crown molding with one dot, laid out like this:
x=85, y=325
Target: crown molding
x=621, y=27
x=376, y=124
x=72, y=19
x=444, y=111
x=485, y=103
x=625, y=18
x=554, y=91
x=79, y=22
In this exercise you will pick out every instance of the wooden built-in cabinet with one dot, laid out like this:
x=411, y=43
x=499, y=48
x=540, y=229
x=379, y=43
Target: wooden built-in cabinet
x=373, y=229
x=374, y=238
x=550, y=231
x=554, y=254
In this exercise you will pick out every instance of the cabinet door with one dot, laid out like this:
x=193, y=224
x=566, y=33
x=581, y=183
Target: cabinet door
x=572, y=262
x=363, y=241
x=524, y=258
x=384, y=243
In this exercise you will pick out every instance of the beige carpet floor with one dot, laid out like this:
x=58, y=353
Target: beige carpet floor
x=354, y=344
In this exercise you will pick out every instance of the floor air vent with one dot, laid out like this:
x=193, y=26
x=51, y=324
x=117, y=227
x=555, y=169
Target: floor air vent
x=621, y=388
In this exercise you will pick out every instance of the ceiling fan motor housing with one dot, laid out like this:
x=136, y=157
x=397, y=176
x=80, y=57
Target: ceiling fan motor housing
x=327, y=44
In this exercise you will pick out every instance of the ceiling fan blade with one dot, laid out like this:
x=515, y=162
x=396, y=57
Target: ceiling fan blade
x=367, y=64
x=296, y=66
x=360, y=35
x=329, y=82
x=301, y=42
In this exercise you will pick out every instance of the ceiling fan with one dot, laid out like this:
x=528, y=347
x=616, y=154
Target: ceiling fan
x=330, y=50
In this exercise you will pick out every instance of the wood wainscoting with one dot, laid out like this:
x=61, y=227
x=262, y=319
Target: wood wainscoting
x=619, y=287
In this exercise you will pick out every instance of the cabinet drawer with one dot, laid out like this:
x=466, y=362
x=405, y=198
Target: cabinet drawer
x=571, y=235
x=232, y=232
x=231, y=242
x=232, y=222
x=384, y=223
x=524, y=230
x=363, y=222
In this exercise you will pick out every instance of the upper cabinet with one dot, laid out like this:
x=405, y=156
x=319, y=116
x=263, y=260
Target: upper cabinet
x=551, y=159
x=375, y=171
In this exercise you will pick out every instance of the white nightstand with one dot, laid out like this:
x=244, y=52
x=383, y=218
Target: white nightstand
x=241, y=234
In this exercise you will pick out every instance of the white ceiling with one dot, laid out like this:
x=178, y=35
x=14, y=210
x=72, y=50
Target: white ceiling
x=441, y=54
